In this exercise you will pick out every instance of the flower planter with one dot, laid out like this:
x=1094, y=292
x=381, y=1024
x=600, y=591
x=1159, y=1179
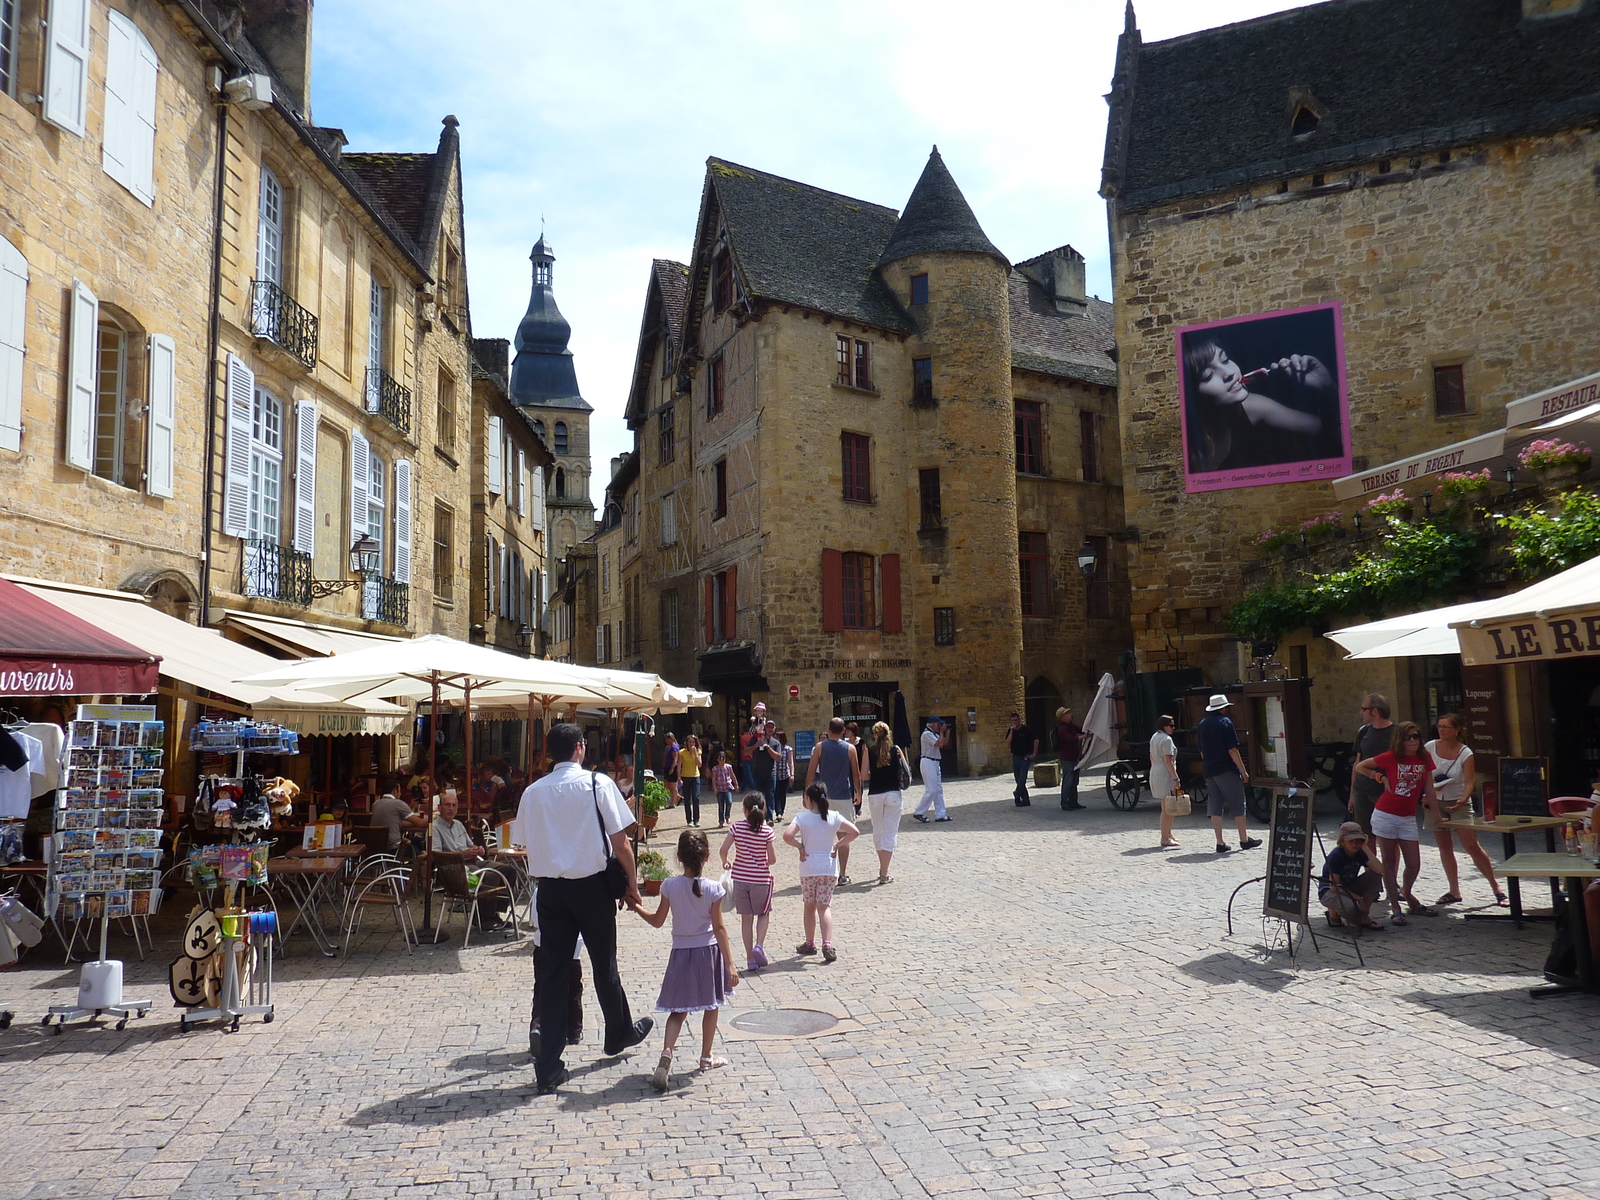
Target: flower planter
x=648, y=821
x=652, y=887
x=1561, y=473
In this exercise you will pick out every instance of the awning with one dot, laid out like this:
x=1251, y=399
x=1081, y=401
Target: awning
x=303, y=639
x=47, y=652
x=204, y=663
x=1555, y=618
x=1403, y=471
x=1552, y=402
x=1411, y=636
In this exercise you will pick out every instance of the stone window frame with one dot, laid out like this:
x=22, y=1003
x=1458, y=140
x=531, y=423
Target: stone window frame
x=1446, y=368
x=666, y=434
x=944, y=627
x=444, y=552
x=1033, y=563
x=120, y=336
x=922, y=380
x=445, y=410
x=919, y=289
x=1028, y=421
x=855, y=466
x=932, y=513
x=858, y=590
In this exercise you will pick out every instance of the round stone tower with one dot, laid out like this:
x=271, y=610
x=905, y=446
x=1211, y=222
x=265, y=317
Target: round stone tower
x=954, y=282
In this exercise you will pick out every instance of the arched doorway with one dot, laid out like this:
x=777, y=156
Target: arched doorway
x=1042, y=700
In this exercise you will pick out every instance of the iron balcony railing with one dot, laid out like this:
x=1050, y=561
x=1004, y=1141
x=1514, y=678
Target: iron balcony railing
x=276, y=316
x=276, y=572
x=385, y=600
x=388, y=399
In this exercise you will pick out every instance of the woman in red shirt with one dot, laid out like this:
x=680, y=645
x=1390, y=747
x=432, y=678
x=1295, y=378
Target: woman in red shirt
x=1407, y=776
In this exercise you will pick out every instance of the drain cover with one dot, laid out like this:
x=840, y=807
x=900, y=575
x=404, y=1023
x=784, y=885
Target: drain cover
x=785, y=1022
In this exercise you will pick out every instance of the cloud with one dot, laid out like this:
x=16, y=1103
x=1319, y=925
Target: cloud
x=598, y=118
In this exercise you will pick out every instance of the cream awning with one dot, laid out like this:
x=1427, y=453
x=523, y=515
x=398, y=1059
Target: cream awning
x=1456, y=457
x=1411, y=636
x=1557, y=617
x=1553, y=402
x=304, y=639
x=203, y=659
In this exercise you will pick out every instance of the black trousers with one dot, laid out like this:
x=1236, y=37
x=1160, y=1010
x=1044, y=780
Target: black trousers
x=568, y=908
x=574, y=996
x=691, y=799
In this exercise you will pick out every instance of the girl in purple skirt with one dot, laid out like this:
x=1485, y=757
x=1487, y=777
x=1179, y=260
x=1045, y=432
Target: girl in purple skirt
x=700, y=974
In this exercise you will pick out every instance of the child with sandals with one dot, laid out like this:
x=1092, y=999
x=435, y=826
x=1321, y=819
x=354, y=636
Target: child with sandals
x=753, y=883
x=700, y=974
x=1347, y=887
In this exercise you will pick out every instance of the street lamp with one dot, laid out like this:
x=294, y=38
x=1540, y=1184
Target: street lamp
x=1087, y=559
x=365, y=559
x=524, y=638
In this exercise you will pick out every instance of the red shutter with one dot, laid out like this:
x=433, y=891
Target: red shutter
x=730, y=605
x=710, y=609
x=890, y=568
x=832, y=591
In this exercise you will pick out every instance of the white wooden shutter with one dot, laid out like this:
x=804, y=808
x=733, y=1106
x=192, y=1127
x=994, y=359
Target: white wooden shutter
x=116, y=135
x=402, y=522
x=13, y=331
x=522, y=483
x=241, y=385
x=142, y=123
x=538, y=498
x=360, y=469
x=305, y=476
x=489, y=564
x=163, y=414
x=66, y=65
x=496, y=454
x=517, y=580
x=82, y=361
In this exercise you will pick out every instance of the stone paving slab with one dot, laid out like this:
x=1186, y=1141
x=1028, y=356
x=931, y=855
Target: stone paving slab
x=1041, y=1004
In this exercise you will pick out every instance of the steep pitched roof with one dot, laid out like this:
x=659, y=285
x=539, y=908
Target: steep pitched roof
x=543, y=374
x=937, y=219
x=665, y=306
x=797, y=244
x=1212, y=110
x=672, y=278
x=413, y=188
x=1055, y=343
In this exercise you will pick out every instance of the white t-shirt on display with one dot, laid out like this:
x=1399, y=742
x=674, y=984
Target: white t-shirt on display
x=817, y=836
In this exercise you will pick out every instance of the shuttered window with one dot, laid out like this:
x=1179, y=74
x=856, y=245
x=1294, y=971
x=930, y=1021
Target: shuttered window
x=162, y=393
x=265, y=457
x=305, y=476
x=66, y=65
x=129, y=137
x=402, y=521
x=496, y=455
x=377, y=505
x=1030, y=437
x=83, y=382
x=13, y=326
x=241, y=388
x=855, y=576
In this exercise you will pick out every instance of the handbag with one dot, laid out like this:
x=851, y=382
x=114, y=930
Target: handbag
x=1176, y=805
x=617, y=882
x=905, y=770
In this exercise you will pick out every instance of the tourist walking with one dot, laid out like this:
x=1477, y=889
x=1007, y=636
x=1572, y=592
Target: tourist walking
x=887, y=769
x=670, y=765
x=783, y=777
x=1164, y=775
x=931, y=748
x=1069, y=747
x=700, y=974
x=689, y=768
x=1374, y=737
x=755, y=852
x=764, y=763
x=835, y=766
x=1224, y=772
x=820, y=834
x=561, y=821
x=1407, y=775
x=1455, y=775
x=1024, y=745
x=723, y=784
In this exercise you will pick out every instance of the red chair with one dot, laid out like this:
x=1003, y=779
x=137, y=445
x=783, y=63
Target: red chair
x=1569, y=806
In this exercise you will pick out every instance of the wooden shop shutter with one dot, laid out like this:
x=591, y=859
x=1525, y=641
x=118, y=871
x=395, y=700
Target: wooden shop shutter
x=13, y=326
x=710, y=609
x=832, y=591
x=730, y=605
x=163, y=414
x=241, y=388
x=889, y=569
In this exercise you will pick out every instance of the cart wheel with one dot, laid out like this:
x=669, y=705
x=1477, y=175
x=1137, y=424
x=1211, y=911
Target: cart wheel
x=266, y=1018
x=122, y=1024
x=6, y=1019
x=1258, y=801
x=1123, y=785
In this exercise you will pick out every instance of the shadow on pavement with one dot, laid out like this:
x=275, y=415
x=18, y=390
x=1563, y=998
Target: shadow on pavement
x=1564, y=1025
x=1223, y=968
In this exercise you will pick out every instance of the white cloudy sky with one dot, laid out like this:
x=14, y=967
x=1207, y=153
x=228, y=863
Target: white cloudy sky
x=599, y=116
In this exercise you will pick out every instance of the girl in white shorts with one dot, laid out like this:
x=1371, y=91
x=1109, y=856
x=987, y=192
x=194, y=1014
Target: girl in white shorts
x=1407, y=774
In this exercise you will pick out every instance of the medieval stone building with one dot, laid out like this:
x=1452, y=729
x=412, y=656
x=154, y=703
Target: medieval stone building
x=870, y=451
x=1420, y=178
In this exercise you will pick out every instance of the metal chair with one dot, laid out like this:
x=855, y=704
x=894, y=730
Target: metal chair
x=468, y=901
x=364, y=873
x=392, y=890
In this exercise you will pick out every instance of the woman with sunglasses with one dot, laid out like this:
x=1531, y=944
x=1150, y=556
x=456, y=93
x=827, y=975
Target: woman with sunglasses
x=1453, y=782
x=1407, y=775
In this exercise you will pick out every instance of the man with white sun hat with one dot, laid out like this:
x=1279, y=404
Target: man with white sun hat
x=1224, y=771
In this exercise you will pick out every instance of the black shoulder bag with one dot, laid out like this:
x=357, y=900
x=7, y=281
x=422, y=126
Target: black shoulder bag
x=616, y=873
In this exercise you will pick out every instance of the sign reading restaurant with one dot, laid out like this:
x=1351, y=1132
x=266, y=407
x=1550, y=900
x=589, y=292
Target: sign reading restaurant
x=1531, y=638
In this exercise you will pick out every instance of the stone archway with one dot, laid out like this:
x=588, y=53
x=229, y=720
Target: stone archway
x=171, y=592
x=1042, y=699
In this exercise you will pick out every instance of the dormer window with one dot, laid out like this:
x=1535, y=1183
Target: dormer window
x=1304, y=123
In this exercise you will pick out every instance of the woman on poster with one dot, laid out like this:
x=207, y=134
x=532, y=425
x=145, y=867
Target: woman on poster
x=1234, y=423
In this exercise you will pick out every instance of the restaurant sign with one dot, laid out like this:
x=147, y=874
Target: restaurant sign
x=310, y=722
x=1554, y=402
x=1530, y=638
x=1445, y=458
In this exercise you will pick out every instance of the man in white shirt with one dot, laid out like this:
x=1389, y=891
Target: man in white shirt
x=566, y=821
x=934, y=739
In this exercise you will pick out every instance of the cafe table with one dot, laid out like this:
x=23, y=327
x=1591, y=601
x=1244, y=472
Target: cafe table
x=1508, y=828
x=306, y=880
x=1576, y=872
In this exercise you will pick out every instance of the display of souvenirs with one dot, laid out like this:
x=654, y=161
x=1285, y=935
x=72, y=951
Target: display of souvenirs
x=206, y=864
x=229, y=737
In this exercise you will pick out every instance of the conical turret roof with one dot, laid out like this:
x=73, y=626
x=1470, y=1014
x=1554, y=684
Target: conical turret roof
x=937, y=219
x=542, y=374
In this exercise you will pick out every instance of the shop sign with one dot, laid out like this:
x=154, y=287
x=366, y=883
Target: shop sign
x=41, y=677
x=1446, y=458
x=843, y=664
x=1530, y=638
x=1553, y=402
x=116, y=712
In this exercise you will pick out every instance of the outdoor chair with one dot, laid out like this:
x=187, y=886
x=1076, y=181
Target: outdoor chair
x=364, y=873
x=1569, y=806
x=392, y=890
x=492, y=884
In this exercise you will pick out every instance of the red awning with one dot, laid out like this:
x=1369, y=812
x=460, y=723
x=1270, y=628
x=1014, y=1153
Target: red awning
x=46, y=651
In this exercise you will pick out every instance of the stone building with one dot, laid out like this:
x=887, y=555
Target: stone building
x=617, y=550
x=545, y=382
x=831, y=404
x=508, y=510
x=1429, y=168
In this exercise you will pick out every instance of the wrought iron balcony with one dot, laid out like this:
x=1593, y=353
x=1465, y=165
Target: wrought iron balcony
x=276, y=572
x=276, y=316
x=385, y=600
x=388, y=399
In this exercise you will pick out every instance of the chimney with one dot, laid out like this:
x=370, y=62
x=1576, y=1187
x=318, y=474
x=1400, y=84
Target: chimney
x=1549, y=8
x=1061, y=274
x=616, y=463
x=281, y=30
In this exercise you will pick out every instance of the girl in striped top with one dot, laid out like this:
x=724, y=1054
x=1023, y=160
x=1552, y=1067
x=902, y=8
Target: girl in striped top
x=752, y=876
x=722, y=782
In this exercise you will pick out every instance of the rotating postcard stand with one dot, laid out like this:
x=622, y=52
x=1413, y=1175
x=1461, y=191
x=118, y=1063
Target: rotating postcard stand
x=99, y=991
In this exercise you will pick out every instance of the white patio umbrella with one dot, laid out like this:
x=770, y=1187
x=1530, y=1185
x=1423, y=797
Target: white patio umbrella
x=1098, y=722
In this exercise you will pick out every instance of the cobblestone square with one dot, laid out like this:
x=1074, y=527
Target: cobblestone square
x=1040, y=1004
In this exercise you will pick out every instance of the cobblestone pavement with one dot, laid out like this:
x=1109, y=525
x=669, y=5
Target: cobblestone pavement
x=1040, y=1004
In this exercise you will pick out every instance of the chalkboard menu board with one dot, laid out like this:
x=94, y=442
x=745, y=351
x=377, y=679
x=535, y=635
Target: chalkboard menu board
x=1523, y=790
x=1289, y=857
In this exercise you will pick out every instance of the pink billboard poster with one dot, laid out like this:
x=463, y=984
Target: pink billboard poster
x=1262, y=399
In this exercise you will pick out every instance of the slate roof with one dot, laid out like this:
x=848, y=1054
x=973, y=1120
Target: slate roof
x=672, y=280
x=1055, y=343
x=937, y=219
x=1210, y=111
x=400, y=182
x=798, y=244
x=543, y=374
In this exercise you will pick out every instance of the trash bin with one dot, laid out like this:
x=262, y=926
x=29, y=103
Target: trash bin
x=1046, y=774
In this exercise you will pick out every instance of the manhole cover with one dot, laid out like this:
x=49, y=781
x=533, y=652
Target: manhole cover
x=785, y=1022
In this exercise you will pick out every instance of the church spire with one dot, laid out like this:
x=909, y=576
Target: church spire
x=937, y=219
x=542, y=374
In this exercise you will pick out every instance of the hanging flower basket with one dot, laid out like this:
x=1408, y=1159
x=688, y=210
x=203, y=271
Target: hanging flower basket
x=1392, y=504
x=1555, y=461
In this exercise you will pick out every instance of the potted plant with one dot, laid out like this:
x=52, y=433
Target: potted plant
x=1554, y=460
x=652, y=871
x=652, y=800
x=1273, y=540
x=1460, y=491
x=1326, y=526
x=1393, y=504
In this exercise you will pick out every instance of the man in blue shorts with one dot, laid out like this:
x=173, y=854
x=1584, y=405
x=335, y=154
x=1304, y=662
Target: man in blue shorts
x=1224, y=772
